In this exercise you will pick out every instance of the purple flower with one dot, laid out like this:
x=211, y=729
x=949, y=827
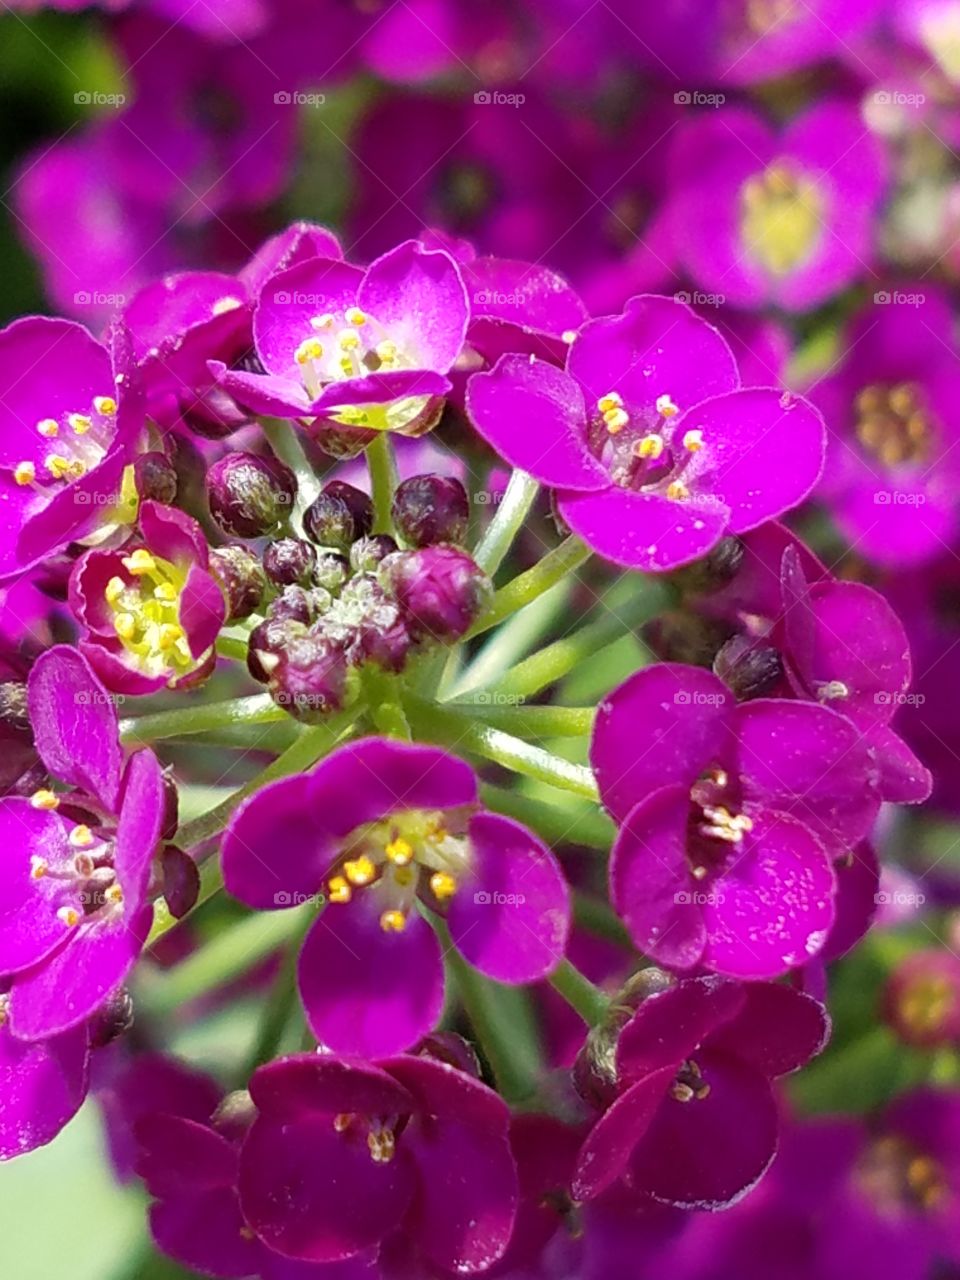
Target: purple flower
x=363, y=349
x=790, y=217
x=71, y=428
x=691, y=1118
x=653, y=448
x=345, y=1155
x=892, y=468
x=74, y=912
x=151, y=609
x=732, y=816
x=375, y=827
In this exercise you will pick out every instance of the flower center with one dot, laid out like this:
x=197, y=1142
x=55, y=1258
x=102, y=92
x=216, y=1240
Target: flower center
x=897, y=1176
x=894, y=424
x=397, y=858
x=644, y=455
x=88, y=872
x=76, y=444
x=146, y=613
x=780, y=217
x=762, y=16
x=380, y=1133
x=689, y=1084
x=715, y=824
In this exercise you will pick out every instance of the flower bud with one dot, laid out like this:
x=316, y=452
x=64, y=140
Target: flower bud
x=595, y=1074
x=214, y=414
x=241, y=578
x=749, y=667
x=338, y=516
x=113, y=1019
x=441, y=591
x=171, y=805
x=250, y=495
x=429, y=509
x=367, y=553
x=289, y=560
x=267, y=641
x=180, y=880
x=155, y=477
x=292, y=604
x=922, y=999
x=309, y=677
x=331, y=571
x=716, y=570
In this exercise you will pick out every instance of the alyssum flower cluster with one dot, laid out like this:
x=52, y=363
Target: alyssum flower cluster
x=307, y=476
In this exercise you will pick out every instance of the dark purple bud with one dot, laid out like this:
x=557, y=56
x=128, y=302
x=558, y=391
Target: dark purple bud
x=749, y=667
x=241, y=578
x=338, y=516
x=19, y=764
x=250, y=494
x=429, y=509
x=155, y=477
x=367, y=553
x=214, y=414
x=113, y=1019
x=308, y=677
x=293, y=605
x=921, y=1001
x=266, y=641
x=180, y=880
x=441, y=591
x=290, y=560
x=716, y=570
x=171, y=806
x=448, y=1047
x=382, y=635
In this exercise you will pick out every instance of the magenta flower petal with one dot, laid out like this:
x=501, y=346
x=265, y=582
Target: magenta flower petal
x=687, y=716
x=297, y=243
x=290, y=300
x=278, y=848
x=173, y=534
x=610, y=1144
x=367, y=991
x=534, y=416
x=202, y=610
x=379, y=388
x=178, y=1154
x=708, y=1152
x=645, y=531
x=42, y=1083
x=266, y=393
x=206, y=1233
x=75, y=724
x=748, y=436
x=328, y=1086
x=903, y=778
x=67, y=987
x=139, y=825
x=777, y=1029
x=417, y=295
x=511, y=915
x=669, y=1025
x=29, y=927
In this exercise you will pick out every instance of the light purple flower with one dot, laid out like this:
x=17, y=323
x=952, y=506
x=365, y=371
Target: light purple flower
x=654, y=450
x=376, y=826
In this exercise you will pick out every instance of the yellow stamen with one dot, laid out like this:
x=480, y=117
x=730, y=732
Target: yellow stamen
x=113, y=895
x=612, y=400
x=169, y=635
x=24, y=473
x=309, y=349
x=399, y=852
x=44, y=799
x=347, y=340
x=139, y=562
x=81, y=836
x=38, y=867
x=48, y=427
x=106, y=406
x=354, y=315
x=165, y=591
x=382, y=1145
x=393, y=922
x=69, y=916
x=666, y=407
x=615, y=420
x=125, y=625
x=387, y=351
x=677, y=491
x=114, y=590
x=651, y=446
x=443, y=885
x=223, y=306
x=338, y=890
x=326, y=321
x=693, y=440
x=58, y=466
x=79, y=423
x=360, y=871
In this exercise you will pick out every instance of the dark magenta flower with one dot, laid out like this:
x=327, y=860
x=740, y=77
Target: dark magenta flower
x=152, y=609
x=71, y=427
x=344, y=1154
x=790, y=217
x=892, y=468
x=363, y=349
x=654, y=450
x=74, y=912
x=732, y=817
x=691, y=1119
x=375, y=827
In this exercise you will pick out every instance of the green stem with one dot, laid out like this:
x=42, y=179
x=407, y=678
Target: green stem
x=527, y=722
x=559, y=659
x=455, y=730
x=227, y=956
x=258, y=708
x=383, y=480
x=526, y=587
x=232, y=647
x=577, y=823
x=596, y=917
x=518, y=498
x=279, y=1003
x=579, y=993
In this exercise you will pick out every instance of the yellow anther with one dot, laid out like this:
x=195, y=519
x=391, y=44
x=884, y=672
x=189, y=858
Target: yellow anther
x=443, y=885
x=114, y=590
x=615, y=420
x=693, y=440
x=399, y=852
x=309, y=349
x=387, y=351
x=69, y=916
x=353, y=315
x=223, y=306
x=48, y=427
x=125, y=625
x=38, y=867
x=382, y=1145
x=568, y=336
x=347, y=340
x=338, y=890
x=169, y=635
x=346, y=365
x=139, y=562
x=24, y=473
x=699, y=873
x=113, y=895
x=404, y=876
x=106, y=406
x=612, y=400
x=666, y=407
x=393, y=922
x=81, y=837
x=44, y=799
x=79, y=423
x=677, y=491
x=165, y=591
x=342, y=1121
x=58, y=466
x=360, y=871
x=651, y=446
x=326, y=321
